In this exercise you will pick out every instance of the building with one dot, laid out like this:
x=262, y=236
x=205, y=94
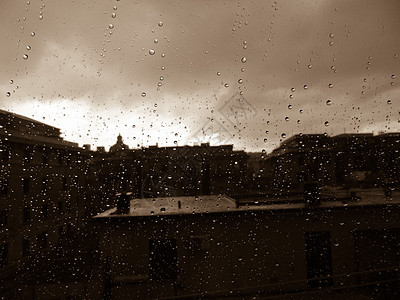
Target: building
x=165, y=171
x=42, y=180
x=342, y=161
x=213, y=246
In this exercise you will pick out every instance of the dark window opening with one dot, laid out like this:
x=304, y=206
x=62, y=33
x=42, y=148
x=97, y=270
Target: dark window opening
x=3, y=219
x=25, y=246
x=3, y=255
x=163, y=259
x=26, y=185
x=318, y=259
x=3, y=187
x=45, y=210
x=42, y=240
x=27, y=214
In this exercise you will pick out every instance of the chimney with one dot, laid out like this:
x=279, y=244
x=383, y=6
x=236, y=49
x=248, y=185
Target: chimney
x=312, y=194
x=86, y=147
x=123, y=202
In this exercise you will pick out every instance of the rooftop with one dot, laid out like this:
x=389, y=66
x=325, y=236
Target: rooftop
x=188, y=205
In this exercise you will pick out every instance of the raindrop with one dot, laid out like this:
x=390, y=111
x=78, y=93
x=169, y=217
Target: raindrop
x=162, y=68
x=111, y=26
x=244, y=59
x=28, y=48
x=326, y=123
x=242, y=69
x=113, y=15
x=283, y=135
x=336, y=243
x=291, y=96
x=226, y=85
x=393, y=76
x=290, y=106
x=114, y=7
x=152, y=51
x=328, y=102
x=265, y=140
x=161, y=78
x=389, y=102
x=25, y=56
x=286, y=119
x=309, y=66
x=11, y=81
x=40, y=17
x=301, y=111
x=160, y=24
x=331, y=35
x=218, y=73
x=155, y=41
x=143, y=94
x=163, y=55
x=240, y=81
x=330, y=85
x=32, y=34
x=8, y=94
x=155, y=104
x=305, y=86
x=293, y=89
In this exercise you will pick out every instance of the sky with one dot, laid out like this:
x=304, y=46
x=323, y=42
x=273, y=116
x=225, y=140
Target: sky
x=247, y=73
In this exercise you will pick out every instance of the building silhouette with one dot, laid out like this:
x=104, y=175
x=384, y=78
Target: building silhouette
x=316, y=217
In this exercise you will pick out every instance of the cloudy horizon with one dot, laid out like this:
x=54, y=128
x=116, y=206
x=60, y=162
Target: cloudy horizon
x=178, y=72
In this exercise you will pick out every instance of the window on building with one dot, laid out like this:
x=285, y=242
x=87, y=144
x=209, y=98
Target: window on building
x=64, y=183
x=60, y=207
x=45, y=210
x=28, y=154
x=26, y=182
x=25, y=246
x=45, y=156
x=3, y=255
x=45, y=184
x=27, y=214
x=163, y=259
x=41, y=239
x=3, y=219
x=5, y=154
x=3, y=186
x=318, y=259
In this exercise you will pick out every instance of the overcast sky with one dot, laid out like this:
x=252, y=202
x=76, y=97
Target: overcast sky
x=246, y=73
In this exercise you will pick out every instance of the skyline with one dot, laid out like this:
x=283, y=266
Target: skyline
x=87, y=69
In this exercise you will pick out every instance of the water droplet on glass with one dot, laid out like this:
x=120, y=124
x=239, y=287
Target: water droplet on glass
x=11, y=81
x=152, y=51
x=218, y=73
x=330, y=85
x=301, y=111
x=161, y=78
x=226, y=85
x=244, y=59
x=309, y=66
x=25, y=56
x=331, y=35
x=283, y=135
x=328, y=102
x=155, y=41
x=32, y=34
x=113, y=15
x=293, y=89
x=8, y=94
x=326, y=123
x=389, y=102
x=111, y=26
x=143, y=94
x=286, y=119
x=291, y=96
x=163, y=55
x=240, y=81
x=114, y=7
x=265, y=140
x=40, y=17
x=290, y=106
x=28, y=48
x=160, y=24
x=162, y=68
x=393, y=76
x=305, y=86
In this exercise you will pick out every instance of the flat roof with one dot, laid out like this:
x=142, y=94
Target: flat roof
x=189, y=205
